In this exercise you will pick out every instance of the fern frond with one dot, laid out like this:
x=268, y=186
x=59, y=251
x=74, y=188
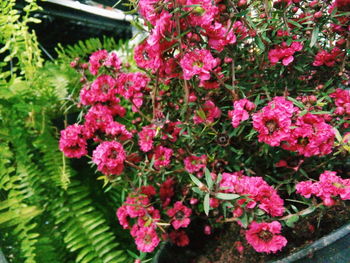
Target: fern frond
x=86, y=232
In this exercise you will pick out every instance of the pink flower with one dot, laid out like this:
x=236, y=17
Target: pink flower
x=180, y=215
x=194, y=163
x=113, y=61
x=123, y=217
x=118, y=131
x=219, y=36
x=136, y=205
x=131, y=87
x=343, y=5
x=264, y=237
x=162, y=157
x=203, y=13
x=198, y=62
x=101, y=90
x=239, y=246
x=240, y=111
x=72, y=141
x=311, y=136
x=146, y=137
x=327, y=188
x=147, y=57
x=284, y=53
x=97, y=119
x=109, y=157
x=96, y=60
x=342, y=101
x=166, y=191
x=146, y=239
x=207, y=230
x=256, y=189
x=273, y=121
x=179, y=238
x=328, y=59
x=208, y=113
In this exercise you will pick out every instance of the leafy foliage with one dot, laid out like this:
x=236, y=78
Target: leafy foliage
x=47, y=212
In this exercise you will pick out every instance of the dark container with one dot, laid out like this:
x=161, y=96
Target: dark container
x=332, y=248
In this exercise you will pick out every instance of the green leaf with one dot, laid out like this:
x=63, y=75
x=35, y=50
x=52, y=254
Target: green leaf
x=208, y=178
x=314, y=36
x=206, y=204
x=292, y=220
x=196, y=180
x=225, y=196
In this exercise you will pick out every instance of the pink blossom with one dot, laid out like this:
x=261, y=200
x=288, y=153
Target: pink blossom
x=203, y=13
x=342, y=101
x=166, y=191
x=179, y=238
x=219, y=36
x=284, y=53
x=311, y=136
x=118, y=131
x=72, y=142
x=147, y=57
x=207, y=230
x=146, y=137
x=102, y=89
x=208, y=113
x=113, y=61
x=239, y=246
x=131, y=87
x=199, y=62
x=146, y=239
x=109, y=157
x=273, y=121
x=96, y=60
x=327, y=58
x=162, y=157
x=240, y=30
x=265, y=237
x=195, y=163
x=343, y=5
x=256, y=189
x=180, y=215
x=327, y=188
x=97, y=118
x=123, y=217
x=240, y=111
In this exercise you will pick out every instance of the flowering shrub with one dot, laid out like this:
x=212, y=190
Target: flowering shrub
x=236, y=109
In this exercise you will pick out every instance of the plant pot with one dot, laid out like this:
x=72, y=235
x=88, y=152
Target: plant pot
x=334, y=247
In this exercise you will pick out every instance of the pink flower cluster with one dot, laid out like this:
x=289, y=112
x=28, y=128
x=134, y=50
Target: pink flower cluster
x=241, y=109
x=155, y=52
x=207, y=114
x=139, y=208
x=265, y=237
x=73, y=142
x=278, y=124
x=342, y=101
x=103, y=58
x=284, y=53
x=104, y=97
x=109, y=157
x=256, y=189
x=195, y=164
x=274, y=120
x=327, y=188
x=327, y=58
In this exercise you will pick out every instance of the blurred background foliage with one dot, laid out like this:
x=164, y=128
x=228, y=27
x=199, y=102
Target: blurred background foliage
x=51, y=209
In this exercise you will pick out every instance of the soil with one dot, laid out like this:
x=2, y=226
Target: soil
x=220, y=246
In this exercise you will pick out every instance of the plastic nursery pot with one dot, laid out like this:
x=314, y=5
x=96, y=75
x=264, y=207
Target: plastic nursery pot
x=334, y=247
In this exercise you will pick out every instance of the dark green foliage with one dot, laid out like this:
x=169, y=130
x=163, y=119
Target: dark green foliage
x=48, y=211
